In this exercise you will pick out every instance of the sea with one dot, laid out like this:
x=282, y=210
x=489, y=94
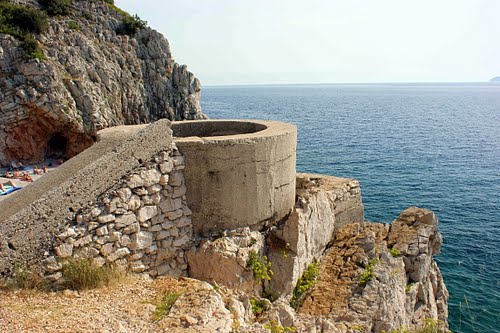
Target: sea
x=435, y=146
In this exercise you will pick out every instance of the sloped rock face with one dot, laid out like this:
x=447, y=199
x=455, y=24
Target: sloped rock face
x=402, y=290
x=323, y=205
x=91, y=78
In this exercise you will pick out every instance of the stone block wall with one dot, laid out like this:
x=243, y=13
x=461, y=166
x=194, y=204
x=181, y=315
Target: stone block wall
x=143, y=223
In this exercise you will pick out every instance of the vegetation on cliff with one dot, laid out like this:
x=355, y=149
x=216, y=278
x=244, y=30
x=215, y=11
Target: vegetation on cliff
x=260, y=266
x=23, y=22
x=305, y=283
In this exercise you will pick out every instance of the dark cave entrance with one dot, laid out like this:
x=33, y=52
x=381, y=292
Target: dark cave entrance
x=56, y=147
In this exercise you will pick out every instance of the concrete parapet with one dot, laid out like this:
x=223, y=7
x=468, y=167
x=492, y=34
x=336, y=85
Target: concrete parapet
x=238, y=173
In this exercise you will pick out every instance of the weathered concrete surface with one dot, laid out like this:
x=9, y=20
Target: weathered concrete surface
x=238, y=180
x=30, y=218
x=324, y=204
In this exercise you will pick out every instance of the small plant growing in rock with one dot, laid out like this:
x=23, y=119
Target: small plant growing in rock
x=432, y=326
x=409, y=286
x=394, y=252
x=32, y=49
x=274, y=327
x=358, y=328
x=261, y=267
x=165, y=305
x=305, y=283
x=285, y=250
x=73, y=25
x=368, y=274
x=258, y=306
x=84, y=274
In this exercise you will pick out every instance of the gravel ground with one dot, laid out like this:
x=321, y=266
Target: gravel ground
x=126, y=307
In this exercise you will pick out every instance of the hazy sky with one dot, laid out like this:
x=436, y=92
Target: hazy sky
x=327, y=41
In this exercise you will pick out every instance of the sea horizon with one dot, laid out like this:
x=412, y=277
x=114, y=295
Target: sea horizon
x=353, y=84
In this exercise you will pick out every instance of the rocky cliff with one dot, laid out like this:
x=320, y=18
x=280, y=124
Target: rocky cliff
x=88, y=74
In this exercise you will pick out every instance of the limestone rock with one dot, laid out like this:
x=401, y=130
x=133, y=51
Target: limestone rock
x=323, y=205
x=125, y=219
x=141, y=240
x=146, y=213
x=224, y=260
x=199, y=310
x=64, y=250
x=91, y=78
x=403, y=289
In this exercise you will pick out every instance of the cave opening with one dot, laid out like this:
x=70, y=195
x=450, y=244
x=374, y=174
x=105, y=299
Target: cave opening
x=56, y=147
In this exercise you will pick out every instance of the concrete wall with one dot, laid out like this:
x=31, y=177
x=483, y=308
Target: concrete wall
x=31, y=218
x=238, y=173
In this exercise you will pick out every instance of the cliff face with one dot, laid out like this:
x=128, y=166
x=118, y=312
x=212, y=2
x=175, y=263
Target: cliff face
x=381, y=277
x=91, y=78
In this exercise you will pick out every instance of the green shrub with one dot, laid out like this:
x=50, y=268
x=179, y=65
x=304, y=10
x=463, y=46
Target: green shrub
x=260, y=266
x=84, y=274
x=18, y=20
x=31, y=47
x=429, y=326
x=304, y=284
x=73, y=25
x=87, y=15
x=21, y=21
x=368, y=274
x=56, y=7
x=409, y=286
x=163, y=307
x=258, y=306
x=394, y=252
x=131, y=24
x=274, y=327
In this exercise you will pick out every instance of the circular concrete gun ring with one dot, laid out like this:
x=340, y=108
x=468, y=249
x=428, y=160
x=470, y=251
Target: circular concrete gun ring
x=238, y=173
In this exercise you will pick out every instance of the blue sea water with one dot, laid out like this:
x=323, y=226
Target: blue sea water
x=434, y=146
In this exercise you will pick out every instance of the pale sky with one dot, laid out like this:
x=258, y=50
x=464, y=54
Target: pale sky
x=329, y=41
